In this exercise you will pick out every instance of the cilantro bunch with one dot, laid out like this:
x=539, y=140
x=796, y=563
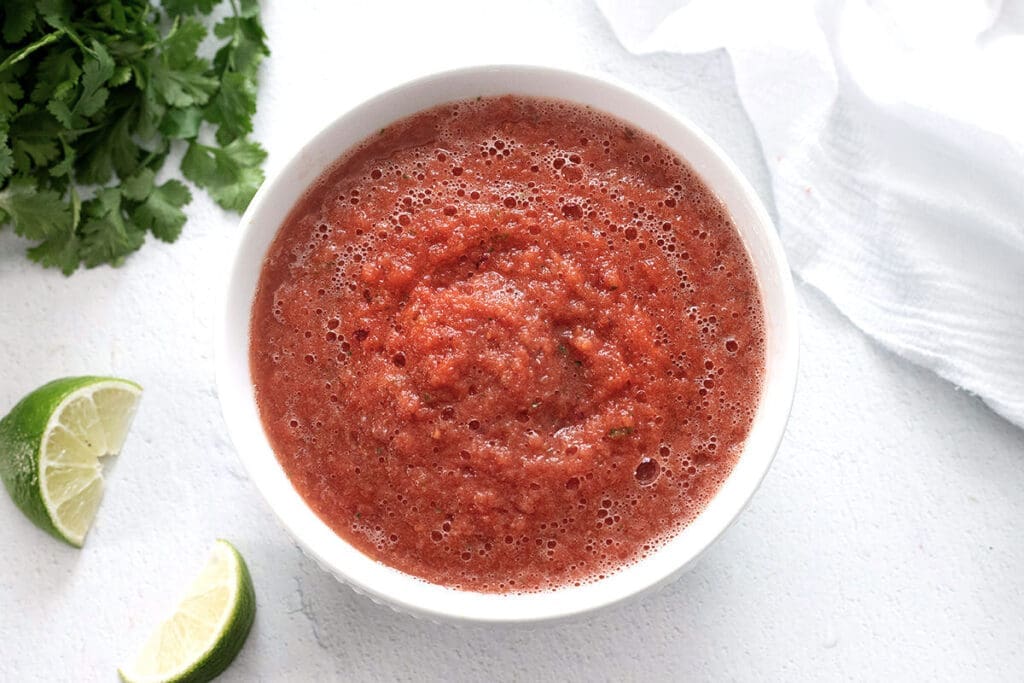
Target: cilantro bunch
x=93, y=94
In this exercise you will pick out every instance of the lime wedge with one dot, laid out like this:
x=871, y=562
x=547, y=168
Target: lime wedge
x=51, y=444
x=207, y=630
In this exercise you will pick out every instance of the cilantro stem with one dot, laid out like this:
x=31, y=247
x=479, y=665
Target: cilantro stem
x=78, y=41
x=76, y=208
x=29, y=49
x=229, y=64
x=153, y=154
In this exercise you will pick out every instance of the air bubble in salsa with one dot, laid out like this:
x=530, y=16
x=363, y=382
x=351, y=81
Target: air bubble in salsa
x=507, y=345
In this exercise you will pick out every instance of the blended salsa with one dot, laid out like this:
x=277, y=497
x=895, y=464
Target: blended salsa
x=507, y=344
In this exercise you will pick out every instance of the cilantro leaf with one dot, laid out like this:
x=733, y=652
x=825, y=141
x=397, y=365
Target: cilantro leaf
x=61, y=251
x=36, y=215
x=58, y=73
x=249, y=8
x=138, y=186
x=619, y=432
x=237, y=62
x=95, y=72
x=159, y=208
x=233, y=107
x=56, y=13
x=183, y=87
x=106, y=236
x=65, y=166
x=6, y=156
x=97, y=94
x=161, y=213
x=178, y=7
x=246, y=48
x=33, y=140
x=150, y=114
x=177, y=75
x=34, y=151
x=108, y=149
x=231, y=174
x=182, y=42
x=58, y=252
x=182, y=124
x=74, y=107
x=10, y=92
x=18, y=18
x=114, y=14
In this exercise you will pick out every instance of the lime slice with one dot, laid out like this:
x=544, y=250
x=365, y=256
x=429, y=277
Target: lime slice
x=208, y=629
x=51, y=444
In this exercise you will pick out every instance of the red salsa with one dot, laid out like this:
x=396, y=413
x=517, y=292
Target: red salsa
x=507, y=344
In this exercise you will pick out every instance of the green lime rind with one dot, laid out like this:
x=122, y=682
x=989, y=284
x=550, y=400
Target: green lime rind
x=21, y=436
x=235, y=632
x=228, y=642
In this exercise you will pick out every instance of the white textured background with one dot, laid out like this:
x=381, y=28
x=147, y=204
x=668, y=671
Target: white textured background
x=885, y=542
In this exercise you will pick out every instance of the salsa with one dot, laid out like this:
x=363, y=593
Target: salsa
x=507, y=344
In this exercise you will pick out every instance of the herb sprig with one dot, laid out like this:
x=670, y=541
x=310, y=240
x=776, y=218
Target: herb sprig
x=92, y=98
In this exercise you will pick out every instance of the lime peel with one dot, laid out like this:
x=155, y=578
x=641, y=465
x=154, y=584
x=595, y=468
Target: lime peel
x=51, y=443
x=208, y=629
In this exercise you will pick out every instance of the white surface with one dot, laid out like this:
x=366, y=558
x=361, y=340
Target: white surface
x=895, y=143
x=885, y=541
x=270, y=207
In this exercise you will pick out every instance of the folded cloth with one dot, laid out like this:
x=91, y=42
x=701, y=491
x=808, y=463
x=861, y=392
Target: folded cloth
x=893, y=132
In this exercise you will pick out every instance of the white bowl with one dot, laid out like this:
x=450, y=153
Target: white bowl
x=413, y=595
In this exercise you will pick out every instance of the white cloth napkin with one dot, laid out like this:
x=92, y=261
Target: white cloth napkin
x=894, y=135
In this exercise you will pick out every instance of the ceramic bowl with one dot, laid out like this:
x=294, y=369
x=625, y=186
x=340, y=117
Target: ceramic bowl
x=413, y=595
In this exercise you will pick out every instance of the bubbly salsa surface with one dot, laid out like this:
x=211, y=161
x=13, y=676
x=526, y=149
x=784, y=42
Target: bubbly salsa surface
x=508, y=344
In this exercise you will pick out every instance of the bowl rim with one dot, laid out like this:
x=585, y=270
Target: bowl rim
x=452, y=605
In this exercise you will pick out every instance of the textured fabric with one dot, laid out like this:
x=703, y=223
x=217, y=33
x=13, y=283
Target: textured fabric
x=894, y=135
